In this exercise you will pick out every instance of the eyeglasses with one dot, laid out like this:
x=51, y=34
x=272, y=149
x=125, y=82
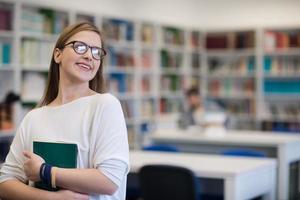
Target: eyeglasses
x=81, y=48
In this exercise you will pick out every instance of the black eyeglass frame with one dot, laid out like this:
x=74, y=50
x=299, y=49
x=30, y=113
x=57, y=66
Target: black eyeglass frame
x=88, y=47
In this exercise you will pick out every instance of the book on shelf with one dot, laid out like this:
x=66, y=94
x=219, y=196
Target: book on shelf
x=282, y=65
x=216, y=42
x=33, y=86
x=43, y=20
x=281, y=39
x=245, y=40
x=147, y=33
x=173, y=36
x=58, y=154
x=34, y=52
x=5, y=53
x=146, y=84
x=169, y=59
x=231, y=40
x=5, y=18
x=147, y=108
x=195, y=39
x=118, y=29
x=169, y=105
x=147, y=59
x=282, y=87
x=120, y=82
x=121, y=57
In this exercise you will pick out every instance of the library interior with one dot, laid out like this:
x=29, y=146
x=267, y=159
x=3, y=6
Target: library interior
x=211, y=87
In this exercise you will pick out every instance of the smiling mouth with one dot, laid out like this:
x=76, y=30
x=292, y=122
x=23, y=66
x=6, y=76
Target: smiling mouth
x=85, y=66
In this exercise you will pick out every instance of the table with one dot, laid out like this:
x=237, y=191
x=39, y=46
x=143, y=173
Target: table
x=240, y=174
x=284, y=147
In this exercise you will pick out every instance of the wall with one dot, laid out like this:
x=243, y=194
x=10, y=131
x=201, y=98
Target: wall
x=194, y=13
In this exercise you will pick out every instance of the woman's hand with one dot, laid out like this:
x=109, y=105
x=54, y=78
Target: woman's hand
x=70, y=195
x=32, y=166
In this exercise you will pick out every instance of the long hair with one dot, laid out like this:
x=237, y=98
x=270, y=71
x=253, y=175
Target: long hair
x=51, y=89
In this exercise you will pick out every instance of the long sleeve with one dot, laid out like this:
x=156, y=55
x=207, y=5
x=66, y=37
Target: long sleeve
x=13, y=166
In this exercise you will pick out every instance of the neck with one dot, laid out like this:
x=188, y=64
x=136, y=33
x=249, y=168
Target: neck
x=68, y=93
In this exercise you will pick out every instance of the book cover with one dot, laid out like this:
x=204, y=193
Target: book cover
x=58, y=154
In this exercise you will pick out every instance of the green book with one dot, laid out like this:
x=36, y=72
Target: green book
x=58, y=154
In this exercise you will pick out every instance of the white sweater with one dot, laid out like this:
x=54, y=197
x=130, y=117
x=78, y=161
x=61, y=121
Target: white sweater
x=95, y=123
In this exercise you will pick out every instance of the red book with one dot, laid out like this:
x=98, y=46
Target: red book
x=5, y=20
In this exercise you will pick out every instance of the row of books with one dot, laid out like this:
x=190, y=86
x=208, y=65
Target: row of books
x=121, y=57
x=282, y=65
x=129, y=108
x=173, y=36
x=279, y=39
x=229, y=87
x=233, y=40
x=239, y=66
x=170, y=59
x=33, y=86
x=290, y=86
x=171, y=83
x=237, y=107
x=169, y=105
x=35, y=52
x=281, y=126
x=5, y=17
x=120, y=83
x=5, y=53
x=118, y=29
x=43, y=21
x=290, y=110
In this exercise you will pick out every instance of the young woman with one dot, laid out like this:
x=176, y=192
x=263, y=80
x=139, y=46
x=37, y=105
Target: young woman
x=74, y=109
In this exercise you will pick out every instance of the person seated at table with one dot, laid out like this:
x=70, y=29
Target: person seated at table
x=193, y=112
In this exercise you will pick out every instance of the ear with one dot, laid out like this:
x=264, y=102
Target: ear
x=57, y=55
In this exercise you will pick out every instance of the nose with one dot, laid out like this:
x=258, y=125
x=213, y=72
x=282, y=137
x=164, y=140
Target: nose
x=88, y=54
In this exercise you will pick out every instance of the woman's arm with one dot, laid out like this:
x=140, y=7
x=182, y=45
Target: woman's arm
x=16, y=190
x=88, y=181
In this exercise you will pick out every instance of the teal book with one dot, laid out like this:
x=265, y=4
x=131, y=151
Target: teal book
x=6, y=53
x=58, y=154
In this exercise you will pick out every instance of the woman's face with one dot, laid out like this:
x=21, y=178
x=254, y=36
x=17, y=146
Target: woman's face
x=76, y=68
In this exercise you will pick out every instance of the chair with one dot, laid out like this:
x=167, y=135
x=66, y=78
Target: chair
x=133, y=191
x=165, y=182
x=243, y=152
x=163, y=147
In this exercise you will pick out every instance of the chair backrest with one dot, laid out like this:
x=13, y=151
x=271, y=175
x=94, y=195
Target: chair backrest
x=163, y=147
x=244, y=152
x=165, y=182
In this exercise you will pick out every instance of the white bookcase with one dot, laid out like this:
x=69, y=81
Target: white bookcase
x=149, y=65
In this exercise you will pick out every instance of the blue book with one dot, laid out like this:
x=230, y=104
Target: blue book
x=6, y=53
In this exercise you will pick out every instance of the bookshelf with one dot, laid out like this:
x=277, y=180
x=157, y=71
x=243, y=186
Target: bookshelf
x=149, y=65
x=231, y=81
x=281, y=79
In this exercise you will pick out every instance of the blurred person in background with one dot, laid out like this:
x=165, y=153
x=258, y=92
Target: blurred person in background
x=193, y=110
